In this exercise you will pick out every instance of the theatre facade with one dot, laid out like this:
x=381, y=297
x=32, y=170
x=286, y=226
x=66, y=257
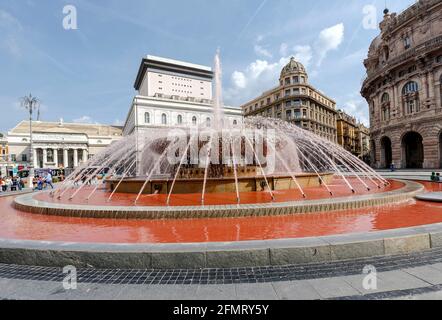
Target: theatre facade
x=403, y=88
x=58, y=144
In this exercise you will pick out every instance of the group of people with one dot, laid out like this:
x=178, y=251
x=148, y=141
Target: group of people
x=11, y=184
x=435, y=177
x=43, y=182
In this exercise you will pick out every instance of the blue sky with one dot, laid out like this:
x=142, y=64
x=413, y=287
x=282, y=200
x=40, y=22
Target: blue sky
x=87, y=75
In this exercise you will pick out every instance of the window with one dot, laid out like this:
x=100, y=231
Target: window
x=147, y=117
x=24, y=158
x=13, y=158
x=235, y=122
x=288, y=114
x=407, y=42
x=194, y=120
x=164, y=119
x=287, y=81
x=50, y=155
x=208, y=122
x=439, y=59
x=296, y=79
x=410, y=96
x=287, y=93
x=385, y=98
x=179, y=119
x=410, y=87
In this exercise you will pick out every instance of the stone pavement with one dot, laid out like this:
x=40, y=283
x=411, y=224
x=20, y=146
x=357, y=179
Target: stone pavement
x=395, y=279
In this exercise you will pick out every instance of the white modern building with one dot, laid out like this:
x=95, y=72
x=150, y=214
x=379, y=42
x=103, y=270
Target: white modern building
x=173, y=93
x=58, y=144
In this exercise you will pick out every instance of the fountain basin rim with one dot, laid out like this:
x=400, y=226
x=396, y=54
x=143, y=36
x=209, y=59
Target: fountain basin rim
x=27, y=203
x=258, y=253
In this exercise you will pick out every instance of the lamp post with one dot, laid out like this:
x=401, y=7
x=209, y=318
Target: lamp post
x=31, y=104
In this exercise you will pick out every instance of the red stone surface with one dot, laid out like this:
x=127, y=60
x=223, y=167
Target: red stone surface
x=19, y=225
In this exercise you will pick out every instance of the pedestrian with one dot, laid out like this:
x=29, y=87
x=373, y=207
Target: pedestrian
x=48, y=180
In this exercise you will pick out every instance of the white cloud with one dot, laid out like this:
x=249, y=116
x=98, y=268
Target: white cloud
x=329, y=39
x=357, y=107
x=283, y=49
x=239, y=80
x=260, y=51
x=83, y=119
x=303, y=54
x=263, y=74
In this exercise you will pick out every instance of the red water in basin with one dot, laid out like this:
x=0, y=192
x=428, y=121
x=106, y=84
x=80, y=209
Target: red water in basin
x=99, y=198
x=19, y=225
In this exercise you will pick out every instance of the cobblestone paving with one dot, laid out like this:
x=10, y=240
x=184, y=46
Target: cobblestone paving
x=225, y=276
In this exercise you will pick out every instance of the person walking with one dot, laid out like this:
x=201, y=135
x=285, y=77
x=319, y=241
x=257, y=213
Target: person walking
x=48, y=180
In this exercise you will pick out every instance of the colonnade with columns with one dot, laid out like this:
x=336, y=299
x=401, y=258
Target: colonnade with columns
x=53, y=157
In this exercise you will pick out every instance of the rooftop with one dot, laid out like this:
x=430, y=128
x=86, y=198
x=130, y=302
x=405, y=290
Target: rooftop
x=72, y=128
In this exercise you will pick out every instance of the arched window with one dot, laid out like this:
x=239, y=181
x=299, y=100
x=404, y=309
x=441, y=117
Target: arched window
x=385, y=102
x=179, y=119
x=235, y=122
x=410, y=97
x=208, y=122
x=410, y=87
x=385, y=98
x=164, y=119
x=147, y=117
x=194, y=120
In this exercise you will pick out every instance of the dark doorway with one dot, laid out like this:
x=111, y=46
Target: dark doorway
x=386, y=152
x=413, y=150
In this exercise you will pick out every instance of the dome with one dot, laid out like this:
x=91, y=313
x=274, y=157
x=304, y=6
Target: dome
x=293, y=67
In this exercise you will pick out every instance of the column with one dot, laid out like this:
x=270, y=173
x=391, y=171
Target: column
x=56, y=158
x=75, y=158
x=431, y=81
x=35, y=159
x=84, y=155
x=65, y=158
x=45, y=157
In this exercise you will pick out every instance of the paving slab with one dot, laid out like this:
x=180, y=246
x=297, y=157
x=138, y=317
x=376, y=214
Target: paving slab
x=216, y=292
x=400, y=280
x=256, y=291
x=333, y=288
x=296, y=290
x=427, y=274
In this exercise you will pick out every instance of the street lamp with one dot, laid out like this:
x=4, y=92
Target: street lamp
x=31, y=104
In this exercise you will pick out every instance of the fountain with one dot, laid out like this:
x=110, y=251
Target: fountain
x=229, y=183
x=217, y=169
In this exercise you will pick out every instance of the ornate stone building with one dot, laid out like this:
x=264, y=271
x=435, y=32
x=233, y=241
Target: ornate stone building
x=346, y=132
x=296, y=101
x=363, y=142
x=403, y=88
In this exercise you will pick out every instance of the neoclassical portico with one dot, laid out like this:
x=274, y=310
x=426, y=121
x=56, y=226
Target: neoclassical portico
x=53, y=157
x=60, y=145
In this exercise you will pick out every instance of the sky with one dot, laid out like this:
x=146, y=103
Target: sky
x=86, y=74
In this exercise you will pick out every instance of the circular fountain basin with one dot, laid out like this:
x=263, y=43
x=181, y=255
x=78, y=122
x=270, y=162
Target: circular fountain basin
x=218, y=205
x=219, y=243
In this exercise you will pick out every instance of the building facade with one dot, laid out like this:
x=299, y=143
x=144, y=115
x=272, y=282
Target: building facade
x=173, y=93
x=403, y=88
x=4, y=156
x=347, y=132
x=297, y=101
x=59, y=145
x=363, y=143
